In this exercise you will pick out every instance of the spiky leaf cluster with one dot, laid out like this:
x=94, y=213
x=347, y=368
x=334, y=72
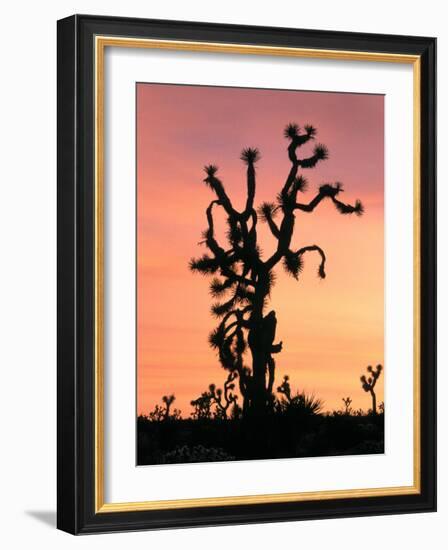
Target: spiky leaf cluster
x=205, y=264
x=210, y=170
x=310, y=130
x=216, y=337
x=301, y=184
x=291, y=130
x=359, y=208
x=250, y=155
x=321, y=151
x=220, y=309
x=293, y=264
x=219, y=287
x=266, y=211
x=331, y=190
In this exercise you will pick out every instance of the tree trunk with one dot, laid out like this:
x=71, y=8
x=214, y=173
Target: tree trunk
x=260, y=343
x=373, y=401
x=259, y=398
x=258, y=390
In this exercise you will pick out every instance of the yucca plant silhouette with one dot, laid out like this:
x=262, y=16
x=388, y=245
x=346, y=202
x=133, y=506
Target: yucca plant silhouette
x=243, y=279
x=300, y=402
x=368, y=383
x=163, y=412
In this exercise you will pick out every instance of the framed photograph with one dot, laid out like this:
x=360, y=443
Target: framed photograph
x=246, y=274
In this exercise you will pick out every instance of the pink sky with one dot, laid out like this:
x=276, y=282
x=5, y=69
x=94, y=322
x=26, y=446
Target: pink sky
x=331, y=329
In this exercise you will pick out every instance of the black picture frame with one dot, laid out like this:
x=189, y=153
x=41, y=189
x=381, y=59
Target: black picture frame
x=76, y=286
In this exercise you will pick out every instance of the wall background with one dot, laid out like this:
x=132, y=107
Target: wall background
x=28, y=272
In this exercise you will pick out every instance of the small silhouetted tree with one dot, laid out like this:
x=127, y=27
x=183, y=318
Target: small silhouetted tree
x=202, y=406
x=163, y=412
x=243, y=279
x=220, y=399
x=368, y=383
x=223, y=399
x=168, y=400
x=347, y=403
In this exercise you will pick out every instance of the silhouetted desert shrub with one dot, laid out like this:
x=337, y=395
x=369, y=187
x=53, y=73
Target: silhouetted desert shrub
x=297, y=405
x=347, y=404
x=295, y=427
x=163, y=412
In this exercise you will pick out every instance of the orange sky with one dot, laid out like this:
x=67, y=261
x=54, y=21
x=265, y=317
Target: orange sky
x=331, y=329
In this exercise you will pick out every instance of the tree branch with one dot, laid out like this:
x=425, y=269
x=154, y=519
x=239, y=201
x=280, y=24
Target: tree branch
x=267, y=213
x=218, y=188
x=250, y=157
x=314, y=248
x=331, y=191
x=320, y=153
x=311, y=205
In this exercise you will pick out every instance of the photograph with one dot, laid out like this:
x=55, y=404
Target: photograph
x=246, y=274
x=222, y=248
x=259, y=273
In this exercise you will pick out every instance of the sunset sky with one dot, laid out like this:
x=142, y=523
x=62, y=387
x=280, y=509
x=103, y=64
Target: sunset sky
x=331, y=329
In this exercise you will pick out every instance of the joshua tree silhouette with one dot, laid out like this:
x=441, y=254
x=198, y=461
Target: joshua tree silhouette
x=245, y=280
x=162, y=412
x=347, y=402
x=216, y=396
x=224, y=399
x=368, y=384
x=168, y=400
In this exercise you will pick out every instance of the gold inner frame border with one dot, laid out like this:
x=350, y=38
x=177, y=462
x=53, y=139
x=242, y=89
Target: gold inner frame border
x=100, y=44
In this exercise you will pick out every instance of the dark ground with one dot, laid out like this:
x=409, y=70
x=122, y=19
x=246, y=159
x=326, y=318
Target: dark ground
x=279, y=436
